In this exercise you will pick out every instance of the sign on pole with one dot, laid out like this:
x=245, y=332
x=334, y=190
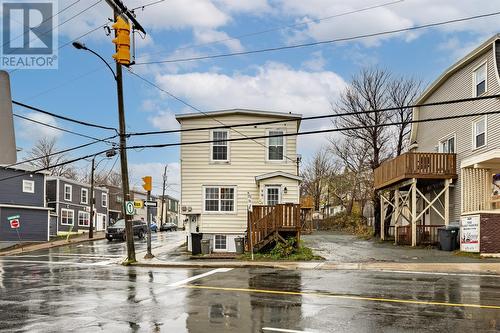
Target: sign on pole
x=138, y=204
x=129, y=208
x=14, y=221
x=150, y=204
x=469, y=233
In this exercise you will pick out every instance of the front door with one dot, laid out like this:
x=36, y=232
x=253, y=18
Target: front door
x=273, y=195
x=100, y=222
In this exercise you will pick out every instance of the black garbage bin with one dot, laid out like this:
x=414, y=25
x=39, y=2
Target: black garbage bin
x=448, y=238
x=196, y=243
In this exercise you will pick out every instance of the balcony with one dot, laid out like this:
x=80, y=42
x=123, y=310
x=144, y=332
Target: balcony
x=415, y=165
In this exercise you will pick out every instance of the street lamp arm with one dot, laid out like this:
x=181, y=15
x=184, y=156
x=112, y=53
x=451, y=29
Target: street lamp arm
x=97, y=54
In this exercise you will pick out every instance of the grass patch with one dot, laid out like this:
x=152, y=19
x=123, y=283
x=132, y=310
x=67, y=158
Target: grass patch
x=468, y=254
x=351, y=224
x=287, y=251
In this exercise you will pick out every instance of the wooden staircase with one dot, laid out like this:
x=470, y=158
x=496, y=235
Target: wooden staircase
x=270, y=224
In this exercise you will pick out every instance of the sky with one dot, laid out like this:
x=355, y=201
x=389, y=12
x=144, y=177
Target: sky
x=304, y=80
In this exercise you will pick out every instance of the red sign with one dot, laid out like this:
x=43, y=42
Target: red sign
x=15, y=224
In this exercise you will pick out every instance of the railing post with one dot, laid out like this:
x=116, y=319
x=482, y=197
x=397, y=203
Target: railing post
x=414, y=212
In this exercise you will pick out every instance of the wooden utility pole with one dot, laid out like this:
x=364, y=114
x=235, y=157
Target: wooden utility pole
x=163, y=195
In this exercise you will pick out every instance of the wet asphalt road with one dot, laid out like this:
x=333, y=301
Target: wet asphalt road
x=79, y=289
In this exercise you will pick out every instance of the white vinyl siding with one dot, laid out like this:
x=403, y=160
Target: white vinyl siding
x=68, y=192
x=479, y=130
x=220, y=147
x=83, y=219
x=84, y=196
x=480, y=80
x=28, y=186
x=67, y=216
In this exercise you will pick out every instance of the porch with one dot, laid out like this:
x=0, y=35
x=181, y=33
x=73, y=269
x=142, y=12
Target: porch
x=415, y=196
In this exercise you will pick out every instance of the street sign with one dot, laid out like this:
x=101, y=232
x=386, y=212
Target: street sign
x=138, y=204
x=150, y=204
x=129, y=208
x=14, y=221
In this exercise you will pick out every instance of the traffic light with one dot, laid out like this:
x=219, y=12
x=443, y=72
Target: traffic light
x=122, y=41
x=148, y=183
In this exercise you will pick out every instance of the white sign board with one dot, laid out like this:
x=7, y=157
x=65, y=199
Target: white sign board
x=469, y=233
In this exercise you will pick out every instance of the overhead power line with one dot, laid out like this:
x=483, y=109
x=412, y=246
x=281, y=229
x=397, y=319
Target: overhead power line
x=80, y=122
x=302, y=23
x=468, y=115
x=330, y=41
x=334, y=115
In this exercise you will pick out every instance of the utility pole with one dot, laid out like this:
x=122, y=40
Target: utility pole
x=92, y=199
x=148, y=186
x=163, y=194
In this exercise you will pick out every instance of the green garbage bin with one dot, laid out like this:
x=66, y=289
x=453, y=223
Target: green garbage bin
x=239, y=243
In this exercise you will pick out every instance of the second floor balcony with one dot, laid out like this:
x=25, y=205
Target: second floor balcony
x=415, y=165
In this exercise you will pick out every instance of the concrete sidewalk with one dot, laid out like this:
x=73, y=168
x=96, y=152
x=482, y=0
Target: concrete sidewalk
x=51, y=244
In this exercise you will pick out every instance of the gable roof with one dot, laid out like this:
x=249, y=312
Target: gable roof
x=277, y=174
x=210, y=114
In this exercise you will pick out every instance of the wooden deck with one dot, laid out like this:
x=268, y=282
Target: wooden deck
x=415, y=165
x=267, y=224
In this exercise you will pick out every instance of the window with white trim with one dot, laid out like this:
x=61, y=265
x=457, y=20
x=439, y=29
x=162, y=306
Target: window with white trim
x=84, y=196
x=104, y=200
x=68, y=189
x=83, y=219
x=480, y=84
x=275, y=151
x=67, y=216
x=220, y=242
x=219, y=199
x=219, y=145
x=479, y=129
x=447, y=145
x=28, y=186
x=273, y=195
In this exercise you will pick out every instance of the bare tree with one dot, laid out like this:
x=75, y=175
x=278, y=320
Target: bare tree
x=316, y=175
x=44, y=153
x=403, y=92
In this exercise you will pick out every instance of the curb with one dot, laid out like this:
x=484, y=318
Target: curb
x=48, y=245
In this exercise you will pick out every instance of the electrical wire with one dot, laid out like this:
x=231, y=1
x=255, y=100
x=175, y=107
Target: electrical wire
x=80, y=122
x=330, y=41
x=454, y=101
x=147, y=5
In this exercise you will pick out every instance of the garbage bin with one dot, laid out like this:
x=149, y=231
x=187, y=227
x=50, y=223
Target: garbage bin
x=196, y=243
x=205, y=246
x=239, y=243
x=448, y=238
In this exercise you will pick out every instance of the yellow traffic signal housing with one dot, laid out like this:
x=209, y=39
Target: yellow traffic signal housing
x=122, y=41
x=148, y=183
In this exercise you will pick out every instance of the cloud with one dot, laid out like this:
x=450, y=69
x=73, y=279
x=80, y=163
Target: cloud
x=316, y=63
x=32, y=132
x=164, y=120
x=155, y=170
x=210, y=36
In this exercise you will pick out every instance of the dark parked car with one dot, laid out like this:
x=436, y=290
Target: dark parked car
x=169, y=226
x=117, y=230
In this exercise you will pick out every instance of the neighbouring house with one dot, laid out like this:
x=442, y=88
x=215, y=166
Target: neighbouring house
x=170, y=210
x=222, y=179
x=451, y=174
x=71, y=201
x=22, y=199
x=115, y=208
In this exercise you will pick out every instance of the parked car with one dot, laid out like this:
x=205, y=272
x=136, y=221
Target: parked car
x=169, y=226
x=117, y=230
x=154, y=227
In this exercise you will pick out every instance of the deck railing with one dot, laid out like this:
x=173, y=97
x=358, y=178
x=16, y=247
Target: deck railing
x=263, y=220
x=415, y=165
x=426, y=234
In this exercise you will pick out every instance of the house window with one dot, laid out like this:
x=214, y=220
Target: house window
x=119, y=199
x=447, y=145
x=220, y=242
x=219, y=146
x=275, y=146
x=83, y=219
x=479, y=128
x=104, y=200
x=67, y=216
x=28, y=186
x=480, y=80
x=84, y=196
x=219, y=199
x=273, y=195
x=68, y=189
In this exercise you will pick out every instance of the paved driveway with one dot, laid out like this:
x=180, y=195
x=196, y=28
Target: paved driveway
x=343, y=248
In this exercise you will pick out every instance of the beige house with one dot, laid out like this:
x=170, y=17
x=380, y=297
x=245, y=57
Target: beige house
x=451, y=174
x=219, y=179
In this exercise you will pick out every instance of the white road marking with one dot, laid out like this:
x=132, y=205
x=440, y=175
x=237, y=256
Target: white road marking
x=436, y=273
x=199, y=276
x=272, y=329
